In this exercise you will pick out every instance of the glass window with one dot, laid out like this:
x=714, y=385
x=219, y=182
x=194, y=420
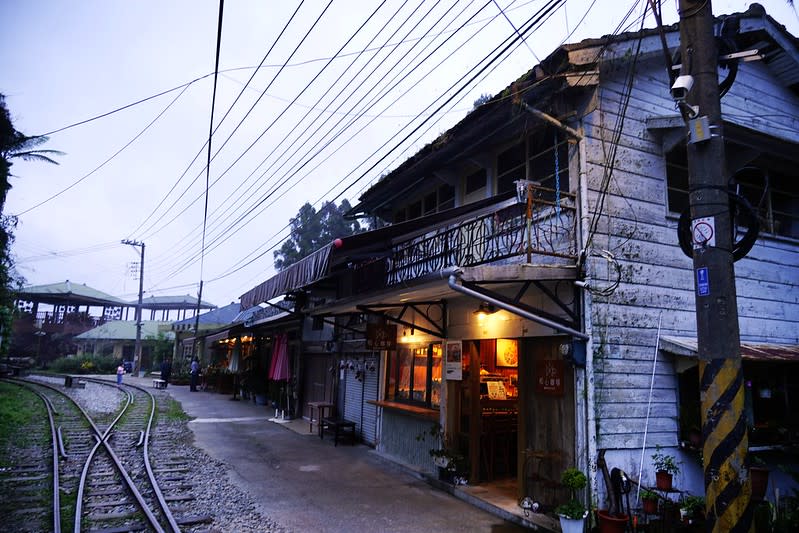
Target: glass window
x=446, y=197
x=476, y=181
x=414, y=375
x=430, y=203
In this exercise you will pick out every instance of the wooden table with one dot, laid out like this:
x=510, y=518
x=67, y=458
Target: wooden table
x=323, y=410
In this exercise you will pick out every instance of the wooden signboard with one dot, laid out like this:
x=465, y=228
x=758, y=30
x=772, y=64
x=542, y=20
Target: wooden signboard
x=549, y=377
x=381, y=336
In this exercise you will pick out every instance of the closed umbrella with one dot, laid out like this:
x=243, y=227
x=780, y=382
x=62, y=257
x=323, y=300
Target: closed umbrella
x=279, y=367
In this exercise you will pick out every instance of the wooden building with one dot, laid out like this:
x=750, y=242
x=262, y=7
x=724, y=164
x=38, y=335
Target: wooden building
x=530, y=297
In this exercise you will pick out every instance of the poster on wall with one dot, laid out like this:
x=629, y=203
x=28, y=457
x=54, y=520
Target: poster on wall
x=454, y=361
x=508, y=353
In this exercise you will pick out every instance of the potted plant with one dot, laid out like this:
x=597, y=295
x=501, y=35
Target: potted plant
x=665, y=467
x=450, y=464
x=572, y=514
x=649, y=501
x=692, y=509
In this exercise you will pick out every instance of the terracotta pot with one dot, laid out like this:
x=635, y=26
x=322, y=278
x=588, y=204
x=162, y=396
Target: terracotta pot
x=663, y=480
x=650, y=506
x=759, y=477
x=611, y=523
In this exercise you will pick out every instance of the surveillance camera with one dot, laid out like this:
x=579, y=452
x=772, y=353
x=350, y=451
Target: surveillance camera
x=682, y=86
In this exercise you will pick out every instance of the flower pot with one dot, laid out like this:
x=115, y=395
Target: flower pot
x=759, y=477
x=446, y=475
x=650, y=506
x=663, y=480
x=571, y=525
x=611, y=523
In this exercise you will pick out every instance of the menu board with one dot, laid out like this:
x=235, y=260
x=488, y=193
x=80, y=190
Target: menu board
x=496, y=390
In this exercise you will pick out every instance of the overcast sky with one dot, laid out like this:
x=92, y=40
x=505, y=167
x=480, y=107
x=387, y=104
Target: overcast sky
x=314, y=130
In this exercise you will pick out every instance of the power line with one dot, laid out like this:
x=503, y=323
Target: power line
x=368, y=106
x=230, y=108
x=104, y=163
x=499, y=51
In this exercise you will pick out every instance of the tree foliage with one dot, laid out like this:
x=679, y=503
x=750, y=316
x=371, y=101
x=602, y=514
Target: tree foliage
x=311, y=230
x=13, y=145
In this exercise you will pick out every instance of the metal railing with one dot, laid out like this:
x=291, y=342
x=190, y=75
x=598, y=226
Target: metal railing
x=492, y=237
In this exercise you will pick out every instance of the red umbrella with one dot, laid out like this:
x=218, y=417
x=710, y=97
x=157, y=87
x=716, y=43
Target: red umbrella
x=279, y=368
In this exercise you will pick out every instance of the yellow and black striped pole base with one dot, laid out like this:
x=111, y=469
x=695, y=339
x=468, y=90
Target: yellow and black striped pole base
x=727, y=486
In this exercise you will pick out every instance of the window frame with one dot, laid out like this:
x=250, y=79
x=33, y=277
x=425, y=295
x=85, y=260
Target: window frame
x=394, y=366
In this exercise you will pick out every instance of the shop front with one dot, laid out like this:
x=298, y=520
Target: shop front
x=469, y=390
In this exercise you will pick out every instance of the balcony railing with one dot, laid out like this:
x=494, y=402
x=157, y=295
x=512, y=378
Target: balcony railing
x=491, y=237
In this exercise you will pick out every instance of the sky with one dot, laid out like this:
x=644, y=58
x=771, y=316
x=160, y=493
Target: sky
x=346, y=91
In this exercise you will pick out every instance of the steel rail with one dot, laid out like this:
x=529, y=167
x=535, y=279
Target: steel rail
x=56, y=485
x=147, y=465
x=101, y=437
x=117, y=462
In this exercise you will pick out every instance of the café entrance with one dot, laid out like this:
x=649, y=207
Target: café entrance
x=515, y=414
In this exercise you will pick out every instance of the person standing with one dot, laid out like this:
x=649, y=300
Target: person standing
x=195, y=372
x=120, y=373
x=166, y=371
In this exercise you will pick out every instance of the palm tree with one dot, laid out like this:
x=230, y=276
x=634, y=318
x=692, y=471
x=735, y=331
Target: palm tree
x=16, y=145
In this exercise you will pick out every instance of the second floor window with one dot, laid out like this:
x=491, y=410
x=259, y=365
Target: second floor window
x=769, y=183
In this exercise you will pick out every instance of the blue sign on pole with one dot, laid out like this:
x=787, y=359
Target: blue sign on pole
x=702, y=281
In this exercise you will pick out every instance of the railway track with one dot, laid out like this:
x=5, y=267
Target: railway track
x=105, y=469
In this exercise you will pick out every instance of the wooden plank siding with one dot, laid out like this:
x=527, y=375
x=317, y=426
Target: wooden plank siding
x=656, y=276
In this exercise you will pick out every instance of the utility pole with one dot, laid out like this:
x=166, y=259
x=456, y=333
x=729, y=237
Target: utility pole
x=724, y=428
x=137, y=348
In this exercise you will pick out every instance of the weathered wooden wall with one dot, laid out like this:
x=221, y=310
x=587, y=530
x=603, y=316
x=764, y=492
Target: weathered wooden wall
x=656, y=277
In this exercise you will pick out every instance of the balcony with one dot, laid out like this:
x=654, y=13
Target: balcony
x=499, y=234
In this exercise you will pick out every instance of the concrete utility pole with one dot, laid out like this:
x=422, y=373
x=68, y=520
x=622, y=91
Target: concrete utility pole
x=724, y=429
x=137, y=348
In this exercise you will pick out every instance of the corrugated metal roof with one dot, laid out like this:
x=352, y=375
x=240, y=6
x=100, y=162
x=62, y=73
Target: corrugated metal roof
x=687, y=346
x=124, y=330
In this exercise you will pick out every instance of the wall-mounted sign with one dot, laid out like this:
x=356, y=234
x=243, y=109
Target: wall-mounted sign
x=549, y=377
x=381, y=336
x=454, y=365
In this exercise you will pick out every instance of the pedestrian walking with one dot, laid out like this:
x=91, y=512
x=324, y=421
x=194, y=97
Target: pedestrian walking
x=166, y=371
x=120, y=373
x=195, y=372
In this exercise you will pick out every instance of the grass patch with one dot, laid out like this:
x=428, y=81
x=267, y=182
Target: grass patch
x=21, y=415
x=174, y=411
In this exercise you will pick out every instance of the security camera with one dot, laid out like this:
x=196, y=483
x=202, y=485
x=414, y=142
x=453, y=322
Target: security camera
x=682, y=86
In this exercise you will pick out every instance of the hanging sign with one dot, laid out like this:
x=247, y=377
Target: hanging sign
x=381, y=336
x=454, y=365
x=549, y=377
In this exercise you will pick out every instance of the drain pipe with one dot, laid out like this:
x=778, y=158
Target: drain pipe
x=457, y=287
x=588, y=325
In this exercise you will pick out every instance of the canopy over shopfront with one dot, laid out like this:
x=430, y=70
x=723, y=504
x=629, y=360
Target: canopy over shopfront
x=687, y=346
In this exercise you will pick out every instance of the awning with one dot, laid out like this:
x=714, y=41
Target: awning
x=217, y=336
x=687, y=346
x=302, y=273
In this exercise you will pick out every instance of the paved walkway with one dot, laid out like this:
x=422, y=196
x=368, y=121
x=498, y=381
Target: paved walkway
x=307, y=484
